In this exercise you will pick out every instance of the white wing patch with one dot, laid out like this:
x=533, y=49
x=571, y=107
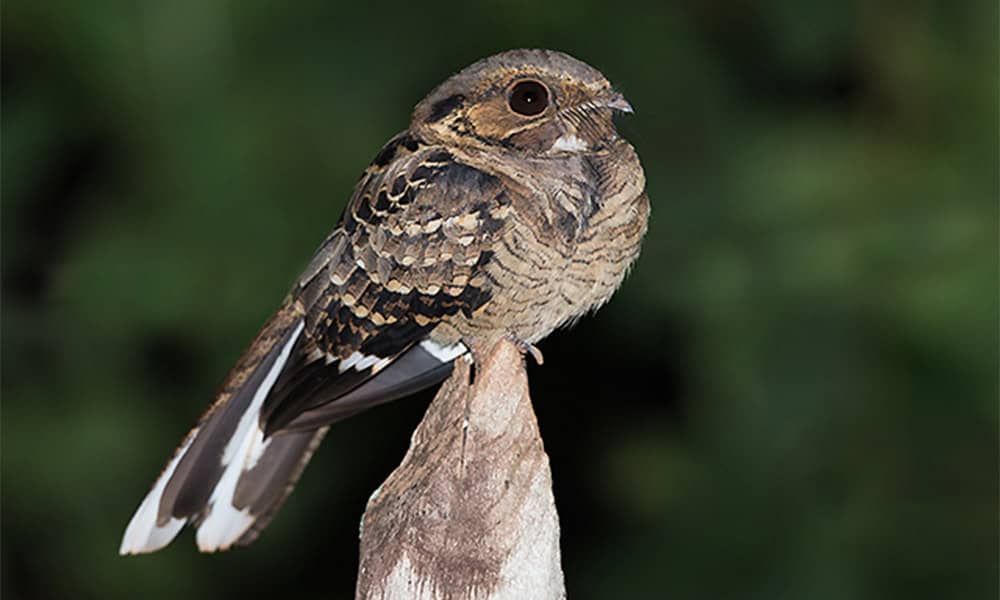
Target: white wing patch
x=444, y=353
x=360, y=362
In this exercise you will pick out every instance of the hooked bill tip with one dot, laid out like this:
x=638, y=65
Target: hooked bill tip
x=618, y=102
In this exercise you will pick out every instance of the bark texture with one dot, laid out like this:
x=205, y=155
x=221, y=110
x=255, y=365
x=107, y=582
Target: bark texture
x=469, y=513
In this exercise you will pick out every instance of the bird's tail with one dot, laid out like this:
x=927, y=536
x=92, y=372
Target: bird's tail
x=225, y=477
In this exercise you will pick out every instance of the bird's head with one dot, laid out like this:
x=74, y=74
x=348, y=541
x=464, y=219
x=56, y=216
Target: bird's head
x=539, y=102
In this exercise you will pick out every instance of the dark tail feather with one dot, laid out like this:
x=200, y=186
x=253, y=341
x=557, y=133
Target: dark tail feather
x=263, y=489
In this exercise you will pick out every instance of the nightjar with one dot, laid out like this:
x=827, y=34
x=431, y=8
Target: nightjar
x=508, y=208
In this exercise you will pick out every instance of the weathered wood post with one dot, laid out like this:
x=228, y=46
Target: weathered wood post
x=469, y=513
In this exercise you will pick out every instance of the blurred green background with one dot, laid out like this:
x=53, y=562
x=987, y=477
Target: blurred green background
x=793, y=396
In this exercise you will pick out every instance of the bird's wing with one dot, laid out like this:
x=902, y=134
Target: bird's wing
x=407, y=253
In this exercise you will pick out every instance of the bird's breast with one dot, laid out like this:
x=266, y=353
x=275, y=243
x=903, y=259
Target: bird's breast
x=567, y=249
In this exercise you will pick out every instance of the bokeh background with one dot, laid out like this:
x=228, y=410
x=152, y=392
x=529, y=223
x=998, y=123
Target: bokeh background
x=793, y=396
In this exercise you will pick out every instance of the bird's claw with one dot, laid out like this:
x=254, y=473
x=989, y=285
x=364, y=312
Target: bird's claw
x=531, y=349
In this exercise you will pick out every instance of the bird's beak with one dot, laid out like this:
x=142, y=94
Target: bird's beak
x=615, y=101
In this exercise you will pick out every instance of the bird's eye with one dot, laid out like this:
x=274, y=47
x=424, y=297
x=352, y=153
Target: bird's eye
x=528, y=98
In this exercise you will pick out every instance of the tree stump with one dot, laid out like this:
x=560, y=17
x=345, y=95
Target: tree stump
x=469, y=513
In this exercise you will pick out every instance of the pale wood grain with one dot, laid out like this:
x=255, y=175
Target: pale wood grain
x=469, y=513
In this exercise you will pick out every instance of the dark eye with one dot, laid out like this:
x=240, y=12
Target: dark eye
x=528, y=98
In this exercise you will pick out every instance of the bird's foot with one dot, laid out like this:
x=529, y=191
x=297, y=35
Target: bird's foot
x=531, y=349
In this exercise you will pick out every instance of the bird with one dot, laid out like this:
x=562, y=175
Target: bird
x=508, y=208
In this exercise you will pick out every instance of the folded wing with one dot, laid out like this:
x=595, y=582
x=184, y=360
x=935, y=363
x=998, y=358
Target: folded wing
x=358, y=330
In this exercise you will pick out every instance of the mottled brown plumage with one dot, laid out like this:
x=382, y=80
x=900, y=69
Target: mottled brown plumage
x=509, y=207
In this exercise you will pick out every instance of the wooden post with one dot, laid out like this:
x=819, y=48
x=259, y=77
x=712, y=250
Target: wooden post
x=469, y=513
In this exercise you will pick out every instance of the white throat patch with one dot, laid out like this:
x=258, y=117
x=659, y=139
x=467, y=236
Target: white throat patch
x=569, y=143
